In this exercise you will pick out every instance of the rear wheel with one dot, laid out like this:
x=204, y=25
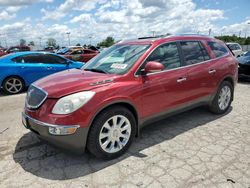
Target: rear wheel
x=223, y=98
x=111, y=133
x=13, y=85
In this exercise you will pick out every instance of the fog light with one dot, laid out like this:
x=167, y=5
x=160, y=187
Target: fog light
x=63, y=130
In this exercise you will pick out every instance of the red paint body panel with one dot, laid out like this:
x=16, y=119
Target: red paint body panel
x=149, y=95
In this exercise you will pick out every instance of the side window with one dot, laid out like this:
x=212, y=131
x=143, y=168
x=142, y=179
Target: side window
x=166, y=54
x=237, y=47
x=218, y=49
x=52, y=59
x=193, y=52
x=33, y=58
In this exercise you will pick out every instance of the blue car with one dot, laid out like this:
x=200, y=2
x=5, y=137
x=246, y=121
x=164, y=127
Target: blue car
x=19, y=70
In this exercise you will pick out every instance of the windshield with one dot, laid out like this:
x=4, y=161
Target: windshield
x=63, y=50
x=118, y=59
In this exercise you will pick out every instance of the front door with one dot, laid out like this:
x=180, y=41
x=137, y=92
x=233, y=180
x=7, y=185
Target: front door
x=164, y=90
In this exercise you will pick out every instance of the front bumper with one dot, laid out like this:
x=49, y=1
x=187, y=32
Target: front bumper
x=74, y=142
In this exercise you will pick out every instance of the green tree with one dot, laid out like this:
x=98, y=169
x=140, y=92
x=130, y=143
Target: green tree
x=234, y=38
x=31, y=43
x=247, y=41
x=51, y=42
x=22, y=42
x=109, y=41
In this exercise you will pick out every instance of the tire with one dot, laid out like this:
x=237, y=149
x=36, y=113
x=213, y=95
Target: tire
x=103, y=134
x=217, y=106
x=13, y=85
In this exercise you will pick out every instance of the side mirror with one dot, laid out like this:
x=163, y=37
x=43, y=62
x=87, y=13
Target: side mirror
x=153, y=66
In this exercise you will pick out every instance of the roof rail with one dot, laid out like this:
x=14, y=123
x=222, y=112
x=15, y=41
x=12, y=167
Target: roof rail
x=193, y=34
x=153, y=37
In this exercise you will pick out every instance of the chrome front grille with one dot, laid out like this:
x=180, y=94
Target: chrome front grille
x=35, y=97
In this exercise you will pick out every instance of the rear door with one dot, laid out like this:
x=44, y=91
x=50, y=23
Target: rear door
x=220, y=62
x=200, y=70
x=30, y=67
x=164, y=90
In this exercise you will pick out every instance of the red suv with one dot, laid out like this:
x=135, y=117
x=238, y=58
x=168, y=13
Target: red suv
x=103, y=106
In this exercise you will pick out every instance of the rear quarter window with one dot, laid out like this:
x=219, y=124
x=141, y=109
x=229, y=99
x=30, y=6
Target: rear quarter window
x=218, y=49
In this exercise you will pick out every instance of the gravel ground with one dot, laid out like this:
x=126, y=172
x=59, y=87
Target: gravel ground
x=192, y=149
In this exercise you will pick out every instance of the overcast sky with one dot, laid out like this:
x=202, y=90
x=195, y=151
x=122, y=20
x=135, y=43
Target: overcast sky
x=93, y=20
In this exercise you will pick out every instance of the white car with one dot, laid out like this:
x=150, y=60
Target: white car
x=235, y=48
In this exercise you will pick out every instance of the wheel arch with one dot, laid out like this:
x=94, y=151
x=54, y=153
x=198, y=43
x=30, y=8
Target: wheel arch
x=16, y=76
x=229, y=79
x=125, y=104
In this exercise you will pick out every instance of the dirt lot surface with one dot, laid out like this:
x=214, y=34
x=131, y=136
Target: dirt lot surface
x=192, y=149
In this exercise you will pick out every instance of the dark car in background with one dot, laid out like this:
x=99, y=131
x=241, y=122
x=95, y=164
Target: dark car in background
x=19, y=70
x=14, y=49
x=244, y=65
x=17, y=49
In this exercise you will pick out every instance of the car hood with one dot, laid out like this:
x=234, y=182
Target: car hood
x=244, y=60
x=72, y=81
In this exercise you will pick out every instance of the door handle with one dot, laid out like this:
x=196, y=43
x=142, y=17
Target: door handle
x=181, y=79
x=212, y=71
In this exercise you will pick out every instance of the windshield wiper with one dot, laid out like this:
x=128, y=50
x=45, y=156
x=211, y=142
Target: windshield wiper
x=96, y=70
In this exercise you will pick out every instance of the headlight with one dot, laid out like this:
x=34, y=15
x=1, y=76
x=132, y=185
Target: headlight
x=72, y=102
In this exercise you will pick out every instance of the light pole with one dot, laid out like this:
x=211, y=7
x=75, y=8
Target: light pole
x=248, y=23
x=153, y=33
x=40, y=41
x=90, y=37
x=68, y=33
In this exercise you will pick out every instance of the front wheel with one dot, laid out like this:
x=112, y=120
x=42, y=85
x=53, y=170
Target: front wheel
x=223, y=98
x=111, y=133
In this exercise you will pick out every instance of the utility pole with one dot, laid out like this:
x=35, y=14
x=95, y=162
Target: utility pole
x=246, y=30
x=68, y=33
x=209, y=31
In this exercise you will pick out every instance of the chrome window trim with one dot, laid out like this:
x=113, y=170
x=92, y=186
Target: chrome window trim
x=48, y=124
x=34, y=107
x=137, y=75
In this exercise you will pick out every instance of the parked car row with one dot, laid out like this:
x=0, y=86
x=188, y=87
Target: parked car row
x=19, y=70
x=14, y=49
x=102, y=106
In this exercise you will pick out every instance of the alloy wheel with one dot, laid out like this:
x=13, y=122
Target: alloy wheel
x=224, y=97
x=13, y=85
x=115, y=134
